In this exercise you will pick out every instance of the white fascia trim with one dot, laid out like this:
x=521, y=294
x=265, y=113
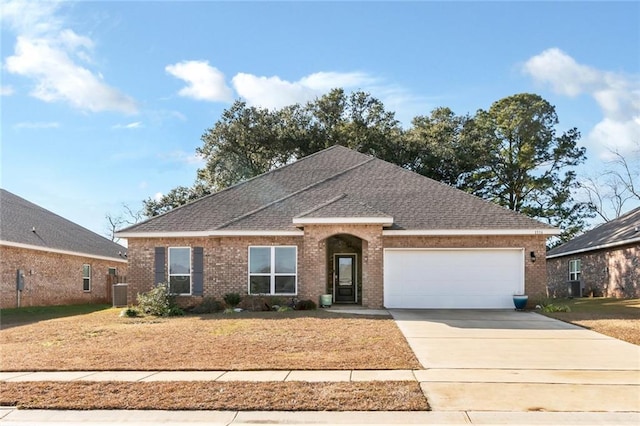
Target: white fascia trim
x=436, y=232
x=59, y=251
x=209, y=234
x=384, y=221
x=600, y=247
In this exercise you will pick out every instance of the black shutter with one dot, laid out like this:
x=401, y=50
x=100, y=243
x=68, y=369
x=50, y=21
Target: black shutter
x=159, y=266
x=196, y=274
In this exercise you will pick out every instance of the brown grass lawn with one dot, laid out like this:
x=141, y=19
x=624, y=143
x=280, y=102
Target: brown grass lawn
x=299, y=396
x=619, y=318
x=304, y=340
x=86, y=339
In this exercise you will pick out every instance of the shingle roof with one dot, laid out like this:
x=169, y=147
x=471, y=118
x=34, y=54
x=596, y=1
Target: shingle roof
x=19, y=218
x=620, y=231
x=363, y=185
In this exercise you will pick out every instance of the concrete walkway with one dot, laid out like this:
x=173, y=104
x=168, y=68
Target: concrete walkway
x=215, y=376
x=484, y=360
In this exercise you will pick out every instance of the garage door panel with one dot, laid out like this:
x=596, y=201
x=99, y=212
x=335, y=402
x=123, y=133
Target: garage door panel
x=419, y=278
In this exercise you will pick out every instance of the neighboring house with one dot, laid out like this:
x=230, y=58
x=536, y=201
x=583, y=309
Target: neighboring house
x=602, y=262
x=53, y=260
x=342, y=223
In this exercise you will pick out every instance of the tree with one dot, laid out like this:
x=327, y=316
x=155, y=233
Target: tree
x=129, y=216
x=174, y=198
x=611, y=192
x=443, y=146
x=247, y=141
x=529, y=167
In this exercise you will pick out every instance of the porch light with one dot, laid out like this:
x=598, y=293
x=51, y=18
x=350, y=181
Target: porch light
x=532, y=255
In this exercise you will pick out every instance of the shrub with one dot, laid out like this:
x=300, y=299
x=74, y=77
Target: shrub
x=284, y=309
x=550, y=307
x=256, y=303
x=209, y=305
x=130, y=312
x=232, y=299
x=306, y=305
x=159, y=302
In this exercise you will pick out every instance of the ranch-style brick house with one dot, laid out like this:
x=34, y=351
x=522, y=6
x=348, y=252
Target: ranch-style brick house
x=604, y=261
x=347, y=224
x=46, y=259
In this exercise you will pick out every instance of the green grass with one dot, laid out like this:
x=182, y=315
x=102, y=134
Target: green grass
x=19, y=316
x=602, y=305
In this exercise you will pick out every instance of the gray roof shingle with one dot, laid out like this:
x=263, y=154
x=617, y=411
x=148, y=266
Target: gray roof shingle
x=360, y=185
x=19, y=218
x=620, y=231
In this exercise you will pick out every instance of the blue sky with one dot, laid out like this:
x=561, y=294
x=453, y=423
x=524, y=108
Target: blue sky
x=104, y=103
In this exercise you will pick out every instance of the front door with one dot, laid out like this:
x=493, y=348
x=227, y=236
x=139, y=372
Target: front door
x=345, y=286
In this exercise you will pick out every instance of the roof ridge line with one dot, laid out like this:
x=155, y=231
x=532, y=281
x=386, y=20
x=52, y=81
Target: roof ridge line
x=254, y=211
x=235, y=185
x=319, y=206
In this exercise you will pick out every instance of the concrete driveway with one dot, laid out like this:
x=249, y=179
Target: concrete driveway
x=498, y=360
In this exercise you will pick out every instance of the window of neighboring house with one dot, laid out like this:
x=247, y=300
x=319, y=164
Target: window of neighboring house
x=575, y=267
x=86, y=277
x=180, y=270
x=273, y=270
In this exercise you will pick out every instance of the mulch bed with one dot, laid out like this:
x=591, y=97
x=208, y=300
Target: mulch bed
x=240, y=396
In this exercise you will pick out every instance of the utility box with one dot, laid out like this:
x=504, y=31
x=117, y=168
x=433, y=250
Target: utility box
x=575, y=289
x=120, y=295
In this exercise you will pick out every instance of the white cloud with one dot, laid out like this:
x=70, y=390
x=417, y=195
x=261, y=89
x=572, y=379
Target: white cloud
x=134, y=125
x=50, y=55
x=273, y=92
x=183, y=157
x=37, y=125
x=617, y=94
x=6, y=91
x=158, y=196
x=205, y=82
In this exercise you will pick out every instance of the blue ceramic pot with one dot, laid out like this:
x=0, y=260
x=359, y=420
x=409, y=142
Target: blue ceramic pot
x=520, y=301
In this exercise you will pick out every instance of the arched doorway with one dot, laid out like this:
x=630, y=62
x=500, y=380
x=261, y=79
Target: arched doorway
x=344, y=268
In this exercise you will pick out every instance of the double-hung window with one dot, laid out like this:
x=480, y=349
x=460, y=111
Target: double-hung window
x=273, y=270
x=575, y=267
x=180, y=270
x=86, y=277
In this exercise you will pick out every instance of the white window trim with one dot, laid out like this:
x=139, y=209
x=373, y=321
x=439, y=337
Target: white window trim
x=576, y=272
x=272, y=274
x=169, y=274
x=85, y=277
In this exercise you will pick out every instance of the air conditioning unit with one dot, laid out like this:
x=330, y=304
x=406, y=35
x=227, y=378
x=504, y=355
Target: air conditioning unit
x=120, y=295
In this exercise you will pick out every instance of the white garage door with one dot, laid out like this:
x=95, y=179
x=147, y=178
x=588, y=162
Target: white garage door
x=462, y=279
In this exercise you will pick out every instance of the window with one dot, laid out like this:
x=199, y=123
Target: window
x=112, y=271
x=575, y=267
x=86, y=277
x=180, y=270
x=273, y=270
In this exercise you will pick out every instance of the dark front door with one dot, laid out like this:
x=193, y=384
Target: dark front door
x=345, y=278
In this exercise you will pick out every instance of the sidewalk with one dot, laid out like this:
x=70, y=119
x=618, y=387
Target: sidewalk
x=217, y=376
x=11, y=416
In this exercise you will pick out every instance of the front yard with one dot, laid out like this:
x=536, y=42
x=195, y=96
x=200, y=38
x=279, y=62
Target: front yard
x=619, y=318
x=308, y=340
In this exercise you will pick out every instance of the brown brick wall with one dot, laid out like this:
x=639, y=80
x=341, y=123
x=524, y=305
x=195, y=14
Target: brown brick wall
x=52, y=278
x=610, y=273
x=225, y=259
x=225, y=262
x=535, y=278
x=314, y=272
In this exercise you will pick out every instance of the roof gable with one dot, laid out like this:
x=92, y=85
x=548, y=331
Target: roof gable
x=340, y=183
x=25, y=224
x=620, y=231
